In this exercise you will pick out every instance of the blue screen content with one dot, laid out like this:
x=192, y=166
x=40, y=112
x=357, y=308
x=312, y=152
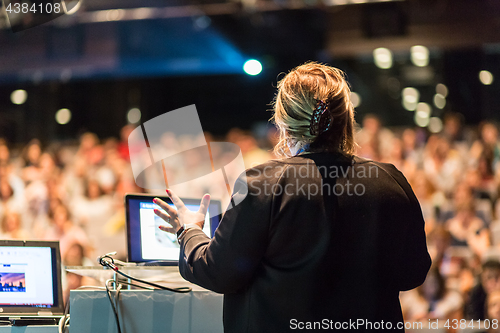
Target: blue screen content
x=26, y=276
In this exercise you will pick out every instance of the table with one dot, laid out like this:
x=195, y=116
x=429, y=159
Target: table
x=146, y=311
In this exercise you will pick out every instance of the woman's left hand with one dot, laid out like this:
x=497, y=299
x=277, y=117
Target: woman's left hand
x=182, y=215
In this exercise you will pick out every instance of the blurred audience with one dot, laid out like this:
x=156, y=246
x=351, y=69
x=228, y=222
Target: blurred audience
x=432, y=300
x=74, y=193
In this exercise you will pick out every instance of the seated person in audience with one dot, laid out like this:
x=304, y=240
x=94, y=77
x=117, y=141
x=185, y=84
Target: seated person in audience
x=412, y=148
x=442, y=164
x=428, y=198
x=16, y=183
x=454, y=131
x=488, y=282
x=467, y=229
x=11, y=227
x=4, y=151
x=438, y=243
x=8, y=201
x=432, y=300
x=90, y=149
x=486, y=171
x=94, y=207
x=31, y=160
x=493, y=311
x=473, y=179
x=65, y=231
x=396, y=157
x=464, y=195
x=486, y=148
x=466, y=279
x=75, y=256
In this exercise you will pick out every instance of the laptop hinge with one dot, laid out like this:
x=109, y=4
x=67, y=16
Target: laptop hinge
x=45, y=313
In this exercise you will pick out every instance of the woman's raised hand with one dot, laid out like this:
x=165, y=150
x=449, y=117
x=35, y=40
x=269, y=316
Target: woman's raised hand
x=180, y=215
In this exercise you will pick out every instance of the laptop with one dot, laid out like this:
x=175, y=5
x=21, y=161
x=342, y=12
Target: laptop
x=30, y=282
x=147, y=245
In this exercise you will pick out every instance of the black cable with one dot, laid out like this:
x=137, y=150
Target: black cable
x=108, y=292
x=134, y=285
x=177, y=290
x=107, y=261
x=62, y=321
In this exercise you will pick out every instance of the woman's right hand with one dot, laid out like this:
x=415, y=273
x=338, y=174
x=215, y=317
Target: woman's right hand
x=181, y=216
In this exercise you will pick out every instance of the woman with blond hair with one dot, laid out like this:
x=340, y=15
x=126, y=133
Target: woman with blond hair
x=320, y=239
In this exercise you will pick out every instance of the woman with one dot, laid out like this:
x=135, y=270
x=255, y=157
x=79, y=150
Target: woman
x=317, y=241
x=64, y=230
x=12, y=228
x=468, y=230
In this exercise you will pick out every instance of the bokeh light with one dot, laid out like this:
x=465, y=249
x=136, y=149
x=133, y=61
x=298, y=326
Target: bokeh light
x=19, y=96
x=134, y=115
x=442, y=89
x=63, y=116
x=382, y=57
x=355, y=99
x=421, y=118
x=419, y=55
x=435, y=125
x=424, y=107
x=439, y=101
x=410, y=98
x=486, y=77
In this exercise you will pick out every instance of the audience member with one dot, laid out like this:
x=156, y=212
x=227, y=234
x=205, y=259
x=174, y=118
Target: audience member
x=493, y=312
x=488, y=281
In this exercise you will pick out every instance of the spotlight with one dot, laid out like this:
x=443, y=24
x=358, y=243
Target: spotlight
x=252, y=67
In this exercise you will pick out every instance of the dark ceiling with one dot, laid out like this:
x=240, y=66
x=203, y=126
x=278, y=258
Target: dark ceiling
x=100, y=62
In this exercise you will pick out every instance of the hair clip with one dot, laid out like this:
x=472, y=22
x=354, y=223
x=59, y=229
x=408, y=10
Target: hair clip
x=319, y=123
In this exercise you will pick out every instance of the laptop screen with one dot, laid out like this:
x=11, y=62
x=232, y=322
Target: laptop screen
x=146, y=242
x=30, y=277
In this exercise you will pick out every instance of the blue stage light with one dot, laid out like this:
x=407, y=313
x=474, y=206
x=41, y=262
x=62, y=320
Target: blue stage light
x=252, y=67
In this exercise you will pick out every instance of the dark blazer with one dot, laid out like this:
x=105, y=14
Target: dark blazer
x=290, y=257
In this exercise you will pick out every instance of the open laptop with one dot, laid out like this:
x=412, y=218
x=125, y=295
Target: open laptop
x=30, y=282
x=146, y=243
